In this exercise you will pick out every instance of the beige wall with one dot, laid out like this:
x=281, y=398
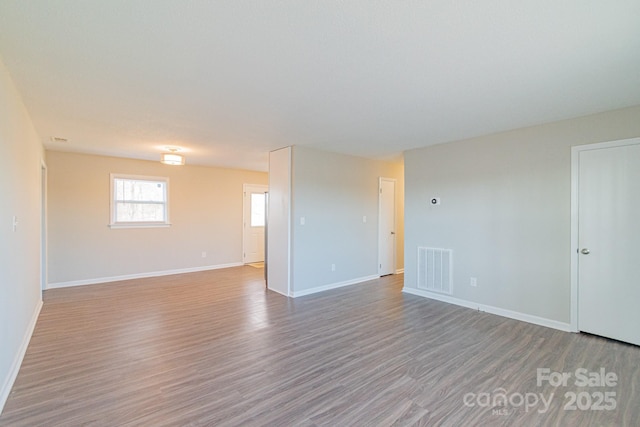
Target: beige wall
x=205, y=212
x=333, y=192
x=20, y=192
x=505, y=211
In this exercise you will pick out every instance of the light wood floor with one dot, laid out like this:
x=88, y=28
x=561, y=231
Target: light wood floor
x=216, y=348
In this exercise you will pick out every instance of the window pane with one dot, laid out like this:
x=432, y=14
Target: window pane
x=139, y=200
x=139, y=212
x=257, y=209
x=140, y=191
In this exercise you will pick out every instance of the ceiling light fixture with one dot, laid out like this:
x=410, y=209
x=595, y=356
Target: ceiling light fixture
x=172, y=158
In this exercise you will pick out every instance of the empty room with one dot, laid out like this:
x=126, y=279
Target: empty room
x=319, y=213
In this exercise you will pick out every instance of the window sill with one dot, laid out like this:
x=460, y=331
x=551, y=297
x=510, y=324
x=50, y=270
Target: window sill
x=141, y=225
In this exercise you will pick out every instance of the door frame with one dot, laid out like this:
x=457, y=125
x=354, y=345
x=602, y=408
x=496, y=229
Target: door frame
x=575, y=186
x=44, y=226
x=244, y=207
x=395, y=222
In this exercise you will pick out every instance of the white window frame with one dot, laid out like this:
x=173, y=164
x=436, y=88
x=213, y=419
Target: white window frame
x=144, y=224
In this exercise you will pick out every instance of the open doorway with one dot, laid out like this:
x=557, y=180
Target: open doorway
x=387, y=226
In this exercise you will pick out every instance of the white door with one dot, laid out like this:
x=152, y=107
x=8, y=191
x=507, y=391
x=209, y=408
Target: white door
x=387, y=227
x=254, y=222
x=608, y=241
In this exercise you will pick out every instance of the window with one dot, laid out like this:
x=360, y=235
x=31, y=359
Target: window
x=139, y=201
x=257, y=209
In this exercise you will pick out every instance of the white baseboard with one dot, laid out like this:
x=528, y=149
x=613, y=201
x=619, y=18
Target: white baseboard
x=278, y=292
x=140, y=275
x=17, y=361
x=317, y=289
x=554, y=324
x=400, y=271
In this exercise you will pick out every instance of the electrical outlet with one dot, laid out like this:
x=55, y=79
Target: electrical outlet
x=474, y=282
x=204, y=254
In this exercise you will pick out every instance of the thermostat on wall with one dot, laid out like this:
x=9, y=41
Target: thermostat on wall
x=435, y=201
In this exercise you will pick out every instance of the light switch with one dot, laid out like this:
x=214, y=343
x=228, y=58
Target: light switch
x=302, y=220
x=364, y=219
x=15, y=223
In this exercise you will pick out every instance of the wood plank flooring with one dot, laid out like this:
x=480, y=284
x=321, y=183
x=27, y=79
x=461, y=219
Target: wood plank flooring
x=216, y=349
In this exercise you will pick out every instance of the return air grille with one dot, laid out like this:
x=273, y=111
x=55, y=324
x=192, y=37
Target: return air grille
x=435, y=270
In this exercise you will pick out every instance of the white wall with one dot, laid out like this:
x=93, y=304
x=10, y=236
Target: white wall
x=205, y=206
x=505, y=211
x=333, y=192
x=279, y=226
x=20, y=192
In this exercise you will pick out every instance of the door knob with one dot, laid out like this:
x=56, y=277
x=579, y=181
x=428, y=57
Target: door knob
x=393, y=232
x=585, y=251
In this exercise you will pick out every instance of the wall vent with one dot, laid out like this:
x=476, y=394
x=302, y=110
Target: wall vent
x=435, y=270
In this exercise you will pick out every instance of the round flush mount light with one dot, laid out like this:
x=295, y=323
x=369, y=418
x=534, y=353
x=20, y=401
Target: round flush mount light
x=172, y=157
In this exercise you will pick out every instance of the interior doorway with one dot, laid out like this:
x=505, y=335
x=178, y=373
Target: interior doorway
x=254, y=221
x=386, y=226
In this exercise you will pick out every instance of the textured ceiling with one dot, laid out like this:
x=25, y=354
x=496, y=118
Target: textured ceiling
x=230, y=80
